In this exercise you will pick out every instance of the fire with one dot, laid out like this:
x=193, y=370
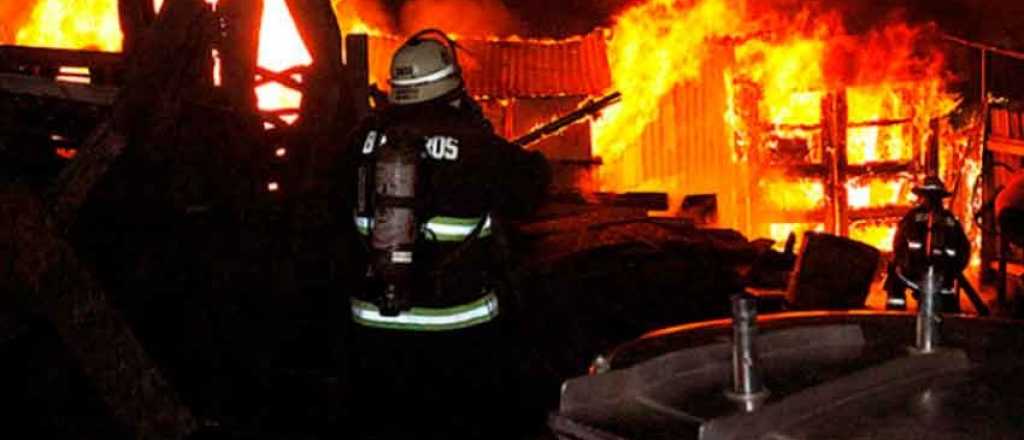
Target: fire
x=655, y=46
x=793, y=194
x=73, y=24
x=779, y=232
x=875, y=233
x=791, y=76
x=878, y=192
x=281, y=48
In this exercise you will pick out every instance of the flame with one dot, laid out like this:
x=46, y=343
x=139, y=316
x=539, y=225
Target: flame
x=653, y=47
x=879, y=234
x=790, y=75
x=779, y=232
x=878, y=192
x=280, y=48
x=73, y=24
x=793, y=194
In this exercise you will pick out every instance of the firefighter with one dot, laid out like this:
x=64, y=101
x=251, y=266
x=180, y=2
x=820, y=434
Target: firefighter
x=928, y=235
x=431, y=185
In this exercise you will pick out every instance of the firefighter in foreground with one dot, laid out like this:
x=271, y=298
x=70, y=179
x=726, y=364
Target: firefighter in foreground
x=431, y=183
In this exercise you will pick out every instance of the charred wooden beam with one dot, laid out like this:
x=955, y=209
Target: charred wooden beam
x=588, y=109
x=645, y=201
x=880, y=123
x=878, y=213
x=158, y=75
x=135, y=17
x=326, y=102
x=36, y=56
x=161, y=74
x=238, y=46
x=47, y=88
x=62, y=287
x=880, y=168
x=357, y=67
x=804, y=169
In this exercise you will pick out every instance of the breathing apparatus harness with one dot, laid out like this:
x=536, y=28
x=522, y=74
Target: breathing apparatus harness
x=390, y=198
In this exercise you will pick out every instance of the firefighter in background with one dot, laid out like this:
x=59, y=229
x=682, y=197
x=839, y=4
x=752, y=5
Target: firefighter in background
x=432, y=355
x=928, y=235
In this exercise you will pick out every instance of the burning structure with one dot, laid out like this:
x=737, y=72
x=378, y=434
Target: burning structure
x=824, y=129
x=793, y=121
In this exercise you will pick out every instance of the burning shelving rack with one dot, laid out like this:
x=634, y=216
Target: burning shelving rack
x=814, y=175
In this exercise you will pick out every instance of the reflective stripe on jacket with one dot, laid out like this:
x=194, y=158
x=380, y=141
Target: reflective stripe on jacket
x=426, y=318
x=444, y=229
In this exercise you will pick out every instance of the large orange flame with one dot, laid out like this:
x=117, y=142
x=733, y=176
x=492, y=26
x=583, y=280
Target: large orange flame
x=73, y=24
x=281, y=48
x=784, y=67
x=655, y=46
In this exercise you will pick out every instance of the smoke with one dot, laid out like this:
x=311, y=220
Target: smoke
x=460, y=17
x=13, y=14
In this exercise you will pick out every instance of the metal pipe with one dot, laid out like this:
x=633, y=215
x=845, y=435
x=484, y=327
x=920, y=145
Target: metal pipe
x=747, y=387
x=927, y=317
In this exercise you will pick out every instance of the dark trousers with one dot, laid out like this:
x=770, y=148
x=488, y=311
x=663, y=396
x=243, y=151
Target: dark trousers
x=461, y=384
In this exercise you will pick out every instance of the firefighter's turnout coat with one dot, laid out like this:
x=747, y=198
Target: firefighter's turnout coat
x=469, y=179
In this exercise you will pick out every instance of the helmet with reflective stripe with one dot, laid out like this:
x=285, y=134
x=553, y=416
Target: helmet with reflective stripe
x=424, y=69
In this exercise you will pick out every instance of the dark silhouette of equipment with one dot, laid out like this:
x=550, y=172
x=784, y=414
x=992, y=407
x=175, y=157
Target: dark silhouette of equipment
x=930, y=249
x=701, y=209
x=832, y=273
x=1009, y=206
x=1010, y=210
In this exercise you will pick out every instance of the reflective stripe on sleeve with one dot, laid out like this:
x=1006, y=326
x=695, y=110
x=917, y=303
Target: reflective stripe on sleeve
x=428, y=319
x=440, y=228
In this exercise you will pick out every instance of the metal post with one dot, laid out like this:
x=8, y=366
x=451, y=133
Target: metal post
x=927, y=317
x=748, y=390
x=988, y=237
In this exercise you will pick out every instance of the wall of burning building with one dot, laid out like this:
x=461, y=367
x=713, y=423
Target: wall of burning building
x=793, y=122
x=825, y=129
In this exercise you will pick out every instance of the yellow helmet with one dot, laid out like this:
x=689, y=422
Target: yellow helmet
x=424, y=69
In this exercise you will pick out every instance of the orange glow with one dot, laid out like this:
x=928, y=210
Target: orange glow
x=793, y=194
x=66, y=153
x=653, y=47
x=791, y=76
x=281, y=48
x=877, y=234
x=877, y=192
x=779, y=232
x=73, y=24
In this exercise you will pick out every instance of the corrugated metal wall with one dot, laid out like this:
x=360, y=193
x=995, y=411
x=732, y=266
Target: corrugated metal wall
x=688, y=148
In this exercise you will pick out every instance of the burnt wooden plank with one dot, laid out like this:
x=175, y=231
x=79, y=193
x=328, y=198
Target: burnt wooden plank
x=135, y=16
x=55, y=282
x=326, y=103
x=12, y=56
x=148, y=105
x=46, y=88
x=238, y=48
x=161, y=74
